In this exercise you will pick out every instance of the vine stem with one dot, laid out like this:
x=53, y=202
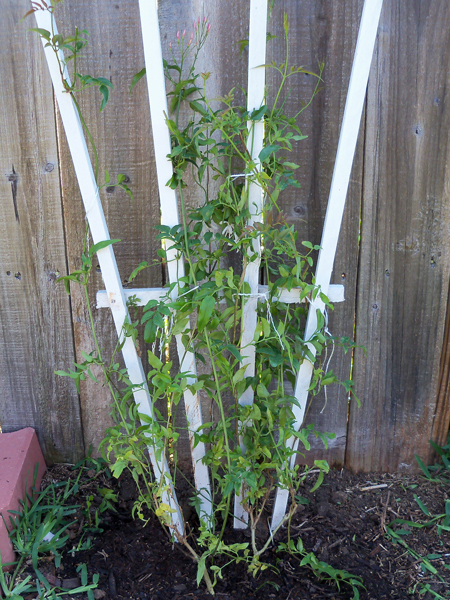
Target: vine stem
x=182, y=540
x=287, y=517
x=88, y=133
x=211, y=355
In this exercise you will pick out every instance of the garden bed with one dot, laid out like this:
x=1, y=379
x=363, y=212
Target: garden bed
x=343, y=525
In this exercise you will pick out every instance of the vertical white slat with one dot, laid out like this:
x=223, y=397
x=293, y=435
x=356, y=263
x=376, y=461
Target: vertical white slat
x=99, y=230
x=169, y=216
x=338, y=192
x=255, y=99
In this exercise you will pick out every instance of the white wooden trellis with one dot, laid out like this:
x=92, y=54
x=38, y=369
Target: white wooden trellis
x=255, y=99
x=115, y=296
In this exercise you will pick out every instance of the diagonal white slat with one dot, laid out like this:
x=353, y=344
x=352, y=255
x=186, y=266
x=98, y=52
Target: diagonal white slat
x=169, y=216
x=144, y=295
x=255, y=99
x=338, y=192
x=99, y=230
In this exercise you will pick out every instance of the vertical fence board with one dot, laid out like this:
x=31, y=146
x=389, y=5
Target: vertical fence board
x=35, y=319
x=323, y=32
x=122, y=134
x=404, y=274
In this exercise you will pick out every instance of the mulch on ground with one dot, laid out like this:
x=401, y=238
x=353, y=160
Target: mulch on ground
x=344, y=524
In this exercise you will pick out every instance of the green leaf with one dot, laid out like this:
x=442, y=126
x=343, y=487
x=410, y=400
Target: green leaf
x=100, y=245
x=422, y=506
x=83, y=574
x=158, y=319
x=205, y=311
x=329, y=378
x=262, y=391
x=62, y=373
x=42, y=32
x=137, y=78
x=105, y=93
x=258, y=332
x=87, y=357
x=117, y=468
x=143, y=265
x=256, y=414
x=317, y=484
x=234, y=351
x=424, y=468
x=105, y=81
x=267, y=151
x=197, y=107
x=92, y=376
x=258, y=114
x=239, y=375
x=243, y=44
x=201, y=568
x=154, y=361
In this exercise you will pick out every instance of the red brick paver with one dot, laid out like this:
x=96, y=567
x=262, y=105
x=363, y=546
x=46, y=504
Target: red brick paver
x=19, y=454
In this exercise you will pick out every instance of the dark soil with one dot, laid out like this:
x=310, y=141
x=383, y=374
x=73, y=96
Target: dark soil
x=343, y=525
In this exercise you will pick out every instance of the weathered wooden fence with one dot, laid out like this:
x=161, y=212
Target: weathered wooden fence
x=393, y=255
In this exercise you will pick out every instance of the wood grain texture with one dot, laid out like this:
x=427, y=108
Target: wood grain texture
x=36, y=330
x=323, y=32
x=122, y=133
x=404, y=267
x=397, y=283
x=442, y=411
